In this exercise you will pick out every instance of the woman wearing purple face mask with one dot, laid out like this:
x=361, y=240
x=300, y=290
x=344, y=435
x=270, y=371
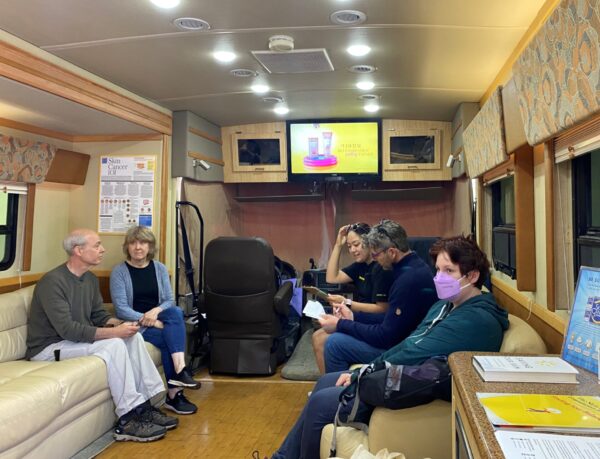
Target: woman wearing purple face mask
x=465, y=319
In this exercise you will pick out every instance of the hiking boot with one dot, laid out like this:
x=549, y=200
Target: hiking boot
x=157, y=417
x=180, y=404
x=184, y=379
x=136, y=429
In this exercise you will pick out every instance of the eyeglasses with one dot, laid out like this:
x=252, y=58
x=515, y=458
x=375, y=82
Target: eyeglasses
x=375, y=255
x=359, y=228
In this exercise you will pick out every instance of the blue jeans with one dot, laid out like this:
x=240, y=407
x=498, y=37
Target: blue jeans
x=169, y=339
x=343, y=350
x=303, y=441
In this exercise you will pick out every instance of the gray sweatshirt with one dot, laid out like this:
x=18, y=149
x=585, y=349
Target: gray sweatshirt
x=64, y=307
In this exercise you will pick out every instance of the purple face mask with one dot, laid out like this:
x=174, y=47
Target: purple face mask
x=446, y=286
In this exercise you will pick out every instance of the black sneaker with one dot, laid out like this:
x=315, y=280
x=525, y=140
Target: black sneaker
x=157, y=417
x=180, y=404
x=137, y=429
x=184, y=379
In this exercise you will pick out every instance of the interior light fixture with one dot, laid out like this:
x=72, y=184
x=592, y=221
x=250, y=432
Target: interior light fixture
x=260, y=88
x=224, y=56
x=281, y=110
x=358, y=50
x=365, y=85
x=166, y=3
x=371, y=107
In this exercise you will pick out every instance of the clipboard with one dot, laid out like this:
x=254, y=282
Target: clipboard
x=316, y=292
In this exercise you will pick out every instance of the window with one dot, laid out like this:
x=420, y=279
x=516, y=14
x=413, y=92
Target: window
x=586, y=194
x=503, y=226
x=8, y=229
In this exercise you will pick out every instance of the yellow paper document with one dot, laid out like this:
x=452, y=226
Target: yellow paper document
x=552, y=413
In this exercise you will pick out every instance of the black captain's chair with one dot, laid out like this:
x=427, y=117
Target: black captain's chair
x=243, y=306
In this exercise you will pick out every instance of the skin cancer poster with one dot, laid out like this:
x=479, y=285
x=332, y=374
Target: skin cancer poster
x=582, y=341
x=126, y=196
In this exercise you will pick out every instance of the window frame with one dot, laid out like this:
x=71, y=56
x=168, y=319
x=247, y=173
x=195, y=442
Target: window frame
x=10, y=231
x=498, y=226
x=584, y=234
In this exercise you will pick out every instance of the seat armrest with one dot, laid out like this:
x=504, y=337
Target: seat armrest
x=282, y=298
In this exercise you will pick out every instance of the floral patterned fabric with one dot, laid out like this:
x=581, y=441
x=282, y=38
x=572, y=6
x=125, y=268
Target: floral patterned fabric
x=483, y=139
x=24, y=160
x=558, y=74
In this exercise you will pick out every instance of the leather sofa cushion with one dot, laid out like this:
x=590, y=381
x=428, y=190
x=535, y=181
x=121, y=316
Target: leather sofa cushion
x=14, y=309
x=522, y=338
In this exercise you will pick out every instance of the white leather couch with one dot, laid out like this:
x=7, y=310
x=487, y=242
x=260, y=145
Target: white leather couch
x=422, y=431
x=48, y=409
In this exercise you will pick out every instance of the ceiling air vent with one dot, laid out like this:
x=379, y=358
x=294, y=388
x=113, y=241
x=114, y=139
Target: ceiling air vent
x=362, y=68
x=243, y=73
x=191, y=24
x=273, y=99
x=368, y=97
x=296, y=61
x=348, y=17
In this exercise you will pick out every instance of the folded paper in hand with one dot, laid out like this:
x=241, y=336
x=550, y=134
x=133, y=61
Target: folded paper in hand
x=313, y=309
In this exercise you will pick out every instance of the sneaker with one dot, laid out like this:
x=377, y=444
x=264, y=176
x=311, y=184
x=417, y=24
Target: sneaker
x=157, y=417
x=180, y=404
x=137, y=429
x=184, y=379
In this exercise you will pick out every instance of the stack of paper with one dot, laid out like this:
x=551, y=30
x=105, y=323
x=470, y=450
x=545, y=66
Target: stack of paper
x=525, y=369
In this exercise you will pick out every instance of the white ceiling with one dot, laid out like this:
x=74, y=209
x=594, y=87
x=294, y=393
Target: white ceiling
x=431, y=55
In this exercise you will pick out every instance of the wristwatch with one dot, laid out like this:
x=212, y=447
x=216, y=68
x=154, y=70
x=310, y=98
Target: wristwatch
x=348, y=302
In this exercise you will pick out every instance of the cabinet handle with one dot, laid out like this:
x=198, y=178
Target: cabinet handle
x=259, y=168
x=412, y=167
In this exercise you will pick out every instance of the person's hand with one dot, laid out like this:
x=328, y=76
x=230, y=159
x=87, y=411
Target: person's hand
x=147, y=322
x=126, y=330
x=328, y=323
x=158, y=324
x=153, y=313
x=113, y=322
x=332, y=299
x=344, y=380
x=341, y=236
x=343, y=311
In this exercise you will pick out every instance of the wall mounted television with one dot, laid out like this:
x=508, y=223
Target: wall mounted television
x=334, y=150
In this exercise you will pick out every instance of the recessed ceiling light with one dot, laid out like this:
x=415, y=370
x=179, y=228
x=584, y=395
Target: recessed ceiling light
x=365, y=85
x=243, y=73
x=281, y=110
x=166, y=3
x=260, y=88
x=358, y=50
x=191, y=24
x=371, y=107
x=224, y=56
x=348, y=17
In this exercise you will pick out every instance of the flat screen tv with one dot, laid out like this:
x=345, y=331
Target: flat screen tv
x=334, y=150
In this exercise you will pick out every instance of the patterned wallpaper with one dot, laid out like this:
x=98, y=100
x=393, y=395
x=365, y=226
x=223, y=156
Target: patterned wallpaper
x=24, y=160
x=483, y=139
x=558, y=74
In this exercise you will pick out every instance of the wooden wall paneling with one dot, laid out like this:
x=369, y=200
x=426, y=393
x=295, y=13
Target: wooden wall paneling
x=204, y=135
x=546, y=323
x=10, y=284
x=500, y=171
x=525, y=219
x=164, y=197
x=116, y=138
x=35, y=129
x=68, y=167
x=550, y=246
x=208, y=159
x=27, y=68
x=28, y=239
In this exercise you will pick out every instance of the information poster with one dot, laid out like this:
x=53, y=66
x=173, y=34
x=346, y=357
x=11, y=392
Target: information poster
x=582, y=342
x=126, y=195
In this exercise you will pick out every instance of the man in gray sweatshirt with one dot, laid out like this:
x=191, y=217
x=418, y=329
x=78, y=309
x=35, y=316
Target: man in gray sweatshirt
x=68, y=320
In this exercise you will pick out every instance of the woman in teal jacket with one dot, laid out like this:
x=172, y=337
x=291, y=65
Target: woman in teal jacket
x=465, y=319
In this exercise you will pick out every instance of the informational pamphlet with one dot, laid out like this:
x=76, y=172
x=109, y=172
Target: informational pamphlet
x=126, y=195
x=543, y=412
x=313, y=309
x=582, y=341
x=533, y=445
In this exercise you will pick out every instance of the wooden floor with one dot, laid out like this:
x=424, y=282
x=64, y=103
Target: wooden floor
x=235, y=417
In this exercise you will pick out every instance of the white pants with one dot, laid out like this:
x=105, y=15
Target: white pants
x=132, y=376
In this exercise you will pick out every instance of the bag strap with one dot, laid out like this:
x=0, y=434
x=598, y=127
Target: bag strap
x=189, y=268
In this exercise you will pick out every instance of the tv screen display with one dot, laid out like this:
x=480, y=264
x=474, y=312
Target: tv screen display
x=347, y=149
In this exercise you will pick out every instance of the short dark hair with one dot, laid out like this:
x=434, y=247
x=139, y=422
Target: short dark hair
x=386, y=234
x=464, y=252
x=359, y=228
